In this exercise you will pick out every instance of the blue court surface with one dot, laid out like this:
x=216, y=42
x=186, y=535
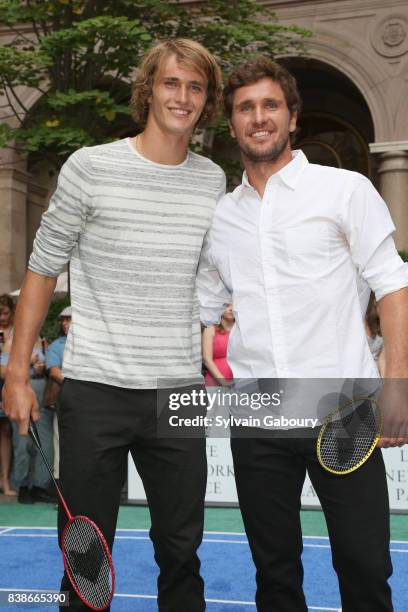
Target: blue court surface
x=30, y=559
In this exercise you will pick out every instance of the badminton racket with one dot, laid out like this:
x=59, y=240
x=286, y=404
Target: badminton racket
x=86, y=555
x=349, y=436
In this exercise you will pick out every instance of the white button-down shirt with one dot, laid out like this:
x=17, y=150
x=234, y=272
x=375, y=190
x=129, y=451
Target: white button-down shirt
x=293, y=263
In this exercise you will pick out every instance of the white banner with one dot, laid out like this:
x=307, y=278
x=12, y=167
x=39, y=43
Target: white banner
x=221, y=484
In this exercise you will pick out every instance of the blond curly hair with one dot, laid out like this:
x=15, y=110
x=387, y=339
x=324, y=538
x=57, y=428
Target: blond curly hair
x=188, y=53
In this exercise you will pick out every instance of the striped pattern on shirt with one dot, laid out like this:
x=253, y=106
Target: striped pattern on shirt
x=133, y=232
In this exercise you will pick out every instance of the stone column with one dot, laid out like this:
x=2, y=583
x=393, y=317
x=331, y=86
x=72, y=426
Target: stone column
x=392, y=169
x=13, y=227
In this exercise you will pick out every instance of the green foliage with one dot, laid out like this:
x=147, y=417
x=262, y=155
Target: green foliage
x=22, y=67
x=50, y=329
x=79, y=56
x=77, y=60
x=404, y=255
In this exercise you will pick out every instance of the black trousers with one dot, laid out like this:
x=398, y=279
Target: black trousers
x=270, y=473
x=99, y=424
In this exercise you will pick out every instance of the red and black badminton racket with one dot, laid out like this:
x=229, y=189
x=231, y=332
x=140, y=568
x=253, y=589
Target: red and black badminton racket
x=86, y=555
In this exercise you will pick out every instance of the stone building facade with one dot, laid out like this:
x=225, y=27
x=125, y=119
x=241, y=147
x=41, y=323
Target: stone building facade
x=355, y=90
x=354, y=84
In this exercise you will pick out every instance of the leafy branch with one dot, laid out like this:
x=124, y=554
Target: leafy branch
x=77, y=57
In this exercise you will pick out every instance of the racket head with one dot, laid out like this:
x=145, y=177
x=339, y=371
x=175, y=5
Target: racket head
x=349, y=435
x=88, y=562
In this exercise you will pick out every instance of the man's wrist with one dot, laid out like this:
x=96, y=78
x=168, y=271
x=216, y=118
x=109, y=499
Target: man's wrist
x=17, y=373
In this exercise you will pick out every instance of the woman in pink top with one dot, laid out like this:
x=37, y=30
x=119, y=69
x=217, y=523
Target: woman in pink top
x=215, y=344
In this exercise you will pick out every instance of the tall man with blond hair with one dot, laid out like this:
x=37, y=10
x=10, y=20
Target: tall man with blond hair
x=130, y=217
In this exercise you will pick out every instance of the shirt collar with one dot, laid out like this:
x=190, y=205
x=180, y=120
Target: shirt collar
x=289, y=174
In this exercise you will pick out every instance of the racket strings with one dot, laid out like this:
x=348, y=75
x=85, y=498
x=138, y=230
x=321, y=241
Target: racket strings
x=348, y=439
x=86, y=555
x=88, y=563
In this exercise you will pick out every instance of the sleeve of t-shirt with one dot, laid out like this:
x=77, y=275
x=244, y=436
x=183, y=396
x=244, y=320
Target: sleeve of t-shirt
x=62, y=223
x=213, y=295
x=368, y=227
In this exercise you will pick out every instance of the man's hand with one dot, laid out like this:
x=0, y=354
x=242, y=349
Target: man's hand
x=19, y=399
x=393, y=402
x=20, y=403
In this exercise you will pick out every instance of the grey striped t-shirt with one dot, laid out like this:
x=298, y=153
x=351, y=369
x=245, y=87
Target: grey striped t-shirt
x=133, y=231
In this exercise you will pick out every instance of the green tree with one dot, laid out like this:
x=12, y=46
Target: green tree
x=78, y=57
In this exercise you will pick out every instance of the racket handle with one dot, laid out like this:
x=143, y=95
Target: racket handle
x=33, y=431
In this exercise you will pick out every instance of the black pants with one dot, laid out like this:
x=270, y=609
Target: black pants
x=269, y=474
x=99, y=424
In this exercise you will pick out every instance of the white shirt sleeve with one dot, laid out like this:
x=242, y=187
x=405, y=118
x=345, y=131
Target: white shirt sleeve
x=212, y=293
x=368, y=227
x=386, y=272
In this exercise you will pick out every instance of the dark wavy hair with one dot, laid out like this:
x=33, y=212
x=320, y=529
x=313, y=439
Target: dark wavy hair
x=253, y=71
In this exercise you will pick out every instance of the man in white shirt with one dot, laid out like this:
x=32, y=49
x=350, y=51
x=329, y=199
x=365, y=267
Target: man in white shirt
x=289, y=247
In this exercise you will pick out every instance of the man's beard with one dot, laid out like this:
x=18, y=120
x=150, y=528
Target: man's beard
x=271, y=154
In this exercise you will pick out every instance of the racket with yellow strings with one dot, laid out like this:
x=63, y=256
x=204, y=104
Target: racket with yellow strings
x=349, y=435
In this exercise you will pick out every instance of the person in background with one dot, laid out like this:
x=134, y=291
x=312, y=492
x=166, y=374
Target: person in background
x=6, y=446
x=374, y=335
x=55, y=354
x=217, y=370
x=29, y=473
x=215, y=346
x=55, y=351
x=6, y=316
